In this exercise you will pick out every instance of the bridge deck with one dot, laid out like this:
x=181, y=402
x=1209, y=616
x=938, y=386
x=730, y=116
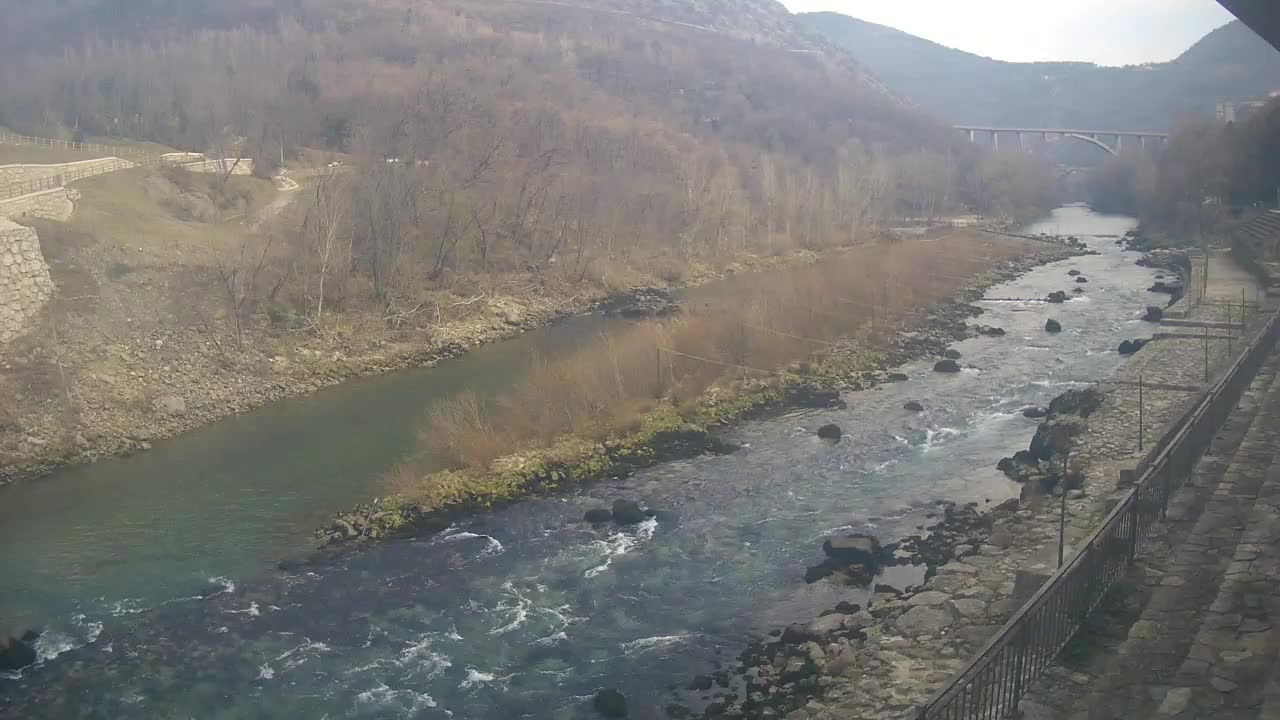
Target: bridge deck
x=1063, y=131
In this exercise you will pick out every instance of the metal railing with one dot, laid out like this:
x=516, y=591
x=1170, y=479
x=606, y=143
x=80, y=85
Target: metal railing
x=15, y=189
x=137, y=156
x=991, y=684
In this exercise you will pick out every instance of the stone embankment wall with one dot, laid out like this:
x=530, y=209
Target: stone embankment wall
x=25, y=285
x=56, y=204
x=24, y=179
x=237, y=166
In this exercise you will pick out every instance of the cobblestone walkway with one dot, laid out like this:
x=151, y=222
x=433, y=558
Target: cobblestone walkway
x=1201, y=625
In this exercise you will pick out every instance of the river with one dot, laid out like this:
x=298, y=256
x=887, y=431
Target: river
x=153, y=574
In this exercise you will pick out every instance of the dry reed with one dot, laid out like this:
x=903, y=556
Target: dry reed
x=755, y=325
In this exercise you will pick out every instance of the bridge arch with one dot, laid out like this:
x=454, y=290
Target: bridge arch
x=1090, y=136
x=1092, y=141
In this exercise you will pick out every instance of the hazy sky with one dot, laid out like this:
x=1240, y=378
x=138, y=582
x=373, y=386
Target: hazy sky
x=1108, y=32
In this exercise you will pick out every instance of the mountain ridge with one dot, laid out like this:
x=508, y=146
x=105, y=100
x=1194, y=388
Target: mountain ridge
x=1230, y=63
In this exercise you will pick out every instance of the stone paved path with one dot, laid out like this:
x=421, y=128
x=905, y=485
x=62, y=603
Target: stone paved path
x=1206, y=591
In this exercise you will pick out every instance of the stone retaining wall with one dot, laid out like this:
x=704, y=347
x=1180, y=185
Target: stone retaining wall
x=56, y=204
x=14, y=179
x=25, y=285
x=237, y=166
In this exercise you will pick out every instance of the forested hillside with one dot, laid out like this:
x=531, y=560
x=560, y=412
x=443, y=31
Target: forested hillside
x=1231, y=63
x=466, y=168
x=526, y=133
x=1208, y=176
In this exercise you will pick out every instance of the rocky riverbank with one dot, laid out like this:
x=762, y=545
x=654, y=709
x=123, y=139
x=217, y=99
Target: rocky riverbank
x=668, y=433
x=66, y=401
x=884, y=661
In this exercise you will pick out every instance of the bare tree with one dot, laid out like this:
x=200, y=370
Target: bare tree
x=238, y=273
x=326, y=232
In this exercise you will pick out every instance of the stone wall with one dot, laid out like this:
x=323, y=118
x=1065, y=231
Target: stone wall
x=25, y=285
x=237, y=166
x=16, y=179
x=56, y=204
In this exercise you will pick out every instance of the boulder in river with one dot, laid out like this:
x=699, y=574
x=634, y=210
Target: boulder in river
x=897, y=377
x=1154, y=314
x=990, y=331
x=1082, y=279
x=1129, y=347
x=913, y=406
x=952, y=354
x=628, y=512
x=810, y=395
x=596, y=516
x=1035, y=413
x=1073, y=273
x=1052, y=326
x=610, y=703
x=16, y=653
x=1078, y=291
x=947, y=366
x=1057, y=297
x=1083, y=402
x=853, y=547
x=830, y=432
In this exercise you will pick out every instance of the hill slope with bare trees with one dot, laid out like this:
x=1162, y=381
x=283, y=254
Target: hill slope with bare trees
x=461, y=161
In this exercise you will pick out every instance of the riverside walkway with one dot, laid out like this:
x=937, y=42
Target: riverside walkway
x=1193, y=631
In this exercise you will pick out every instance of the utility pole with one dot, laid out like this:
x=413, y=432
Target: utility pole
x=1062, y=511
x=1141, y=413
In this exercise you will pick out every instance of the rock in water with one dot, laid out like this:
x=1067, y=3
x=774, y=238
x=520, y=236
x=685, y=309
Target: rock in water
x=1082, y=402
x=947, y=366
x=1154, y=314
x=1129, y=347
x=897, y=378
x=853, y=548
x=1035, y=413
x=16, y=654
x=597, y=516
x=610, y=703
x=1073, y=273
x=1057, y=296
x=990, y=331
x=1082, y=279
x=952, y=354
x=1052, y=326
x=913, y=406
x=830, y=432
x=628, y=512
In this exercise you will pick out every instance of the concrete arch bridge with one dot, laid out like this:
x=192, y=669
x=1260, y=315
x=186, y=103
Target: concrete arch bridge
x=1093, y=137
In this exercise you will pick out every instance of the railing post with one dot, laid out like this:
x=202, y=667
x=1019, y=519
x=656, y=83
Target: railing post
x=1133, y=528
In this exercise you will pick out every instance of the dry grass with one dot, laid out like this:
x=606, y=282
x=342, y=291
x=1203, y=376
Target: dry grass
x=755, y=325
x=36, y=155
x=118, y=209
